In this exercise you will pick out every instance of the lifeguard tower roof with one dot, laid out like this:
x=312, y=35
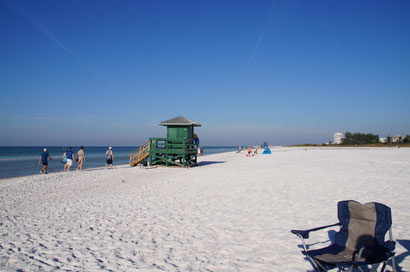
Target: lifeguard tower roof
x=179, y=121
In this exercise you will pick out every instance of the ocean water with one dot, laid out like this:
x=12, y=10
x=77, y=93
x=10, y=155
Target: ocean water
x=22, y=160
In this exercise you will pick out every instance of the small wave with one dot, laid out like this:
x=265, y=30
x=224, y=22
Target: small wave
x=18, y=159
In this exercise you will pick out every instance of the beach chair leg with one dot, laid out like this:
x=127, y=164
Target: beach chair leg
x=384, y=267
x=393, y=264
x=317, y=265
x=393, y=261
x=374, y=267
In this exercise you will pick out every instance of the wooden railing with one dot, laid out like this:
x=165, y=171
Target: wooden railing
x=138, y=155
x=172, y=145
x=172, y=152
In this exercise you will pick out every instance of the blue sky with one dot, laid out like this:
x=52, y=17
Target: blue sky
x=107, y=72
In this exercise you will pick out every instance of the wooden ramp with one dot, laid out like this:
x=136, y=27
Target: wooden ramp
x=138, y=155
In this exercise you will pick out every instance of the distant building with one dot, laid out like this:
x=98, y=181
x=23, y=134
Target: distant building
x=383, y=140
x=337, y=138
x=393, y=139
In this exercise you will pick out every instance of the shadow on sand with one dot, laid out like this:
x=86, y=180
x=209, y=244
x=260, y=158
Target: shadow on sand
x=203, y=163
x=400, y=258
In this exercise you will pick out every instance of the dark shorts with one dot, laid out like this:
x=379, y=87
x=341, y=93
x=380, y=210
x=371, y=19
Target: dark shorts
x=109, y=161
x=45, y=163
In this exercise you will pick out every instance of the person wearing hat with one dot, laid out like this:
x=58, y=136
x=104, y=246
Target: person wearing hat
x=109, y=155
x=44, y=160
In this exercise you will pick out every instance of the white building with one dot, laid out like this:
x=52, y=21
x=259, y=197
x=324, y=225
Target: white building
x=337, y=138
x=395, y=139
x=383, y=140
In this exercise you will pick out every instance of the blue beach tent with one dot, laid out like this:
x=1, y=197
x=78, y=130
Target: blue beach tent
x=267, y=151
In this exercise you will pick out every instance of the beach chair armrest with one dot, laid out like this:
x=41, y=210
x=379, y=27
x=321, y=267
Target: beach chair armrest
x=384, y=252
x=301, y=233
x=305, y=233
x=389, y=245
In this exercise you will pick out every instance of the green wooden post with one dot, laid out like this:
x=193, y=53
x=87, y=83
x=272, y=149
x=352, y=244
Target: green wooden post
x=150, y=148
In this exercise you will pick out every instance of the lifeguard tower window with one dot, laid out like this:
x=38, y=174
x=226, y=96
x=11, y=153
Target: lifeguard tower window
x=179, y=133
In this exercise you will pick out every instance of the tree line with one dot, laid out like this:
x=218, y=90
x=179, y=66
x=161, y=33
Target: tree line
x=363, y=139
x=360, y=139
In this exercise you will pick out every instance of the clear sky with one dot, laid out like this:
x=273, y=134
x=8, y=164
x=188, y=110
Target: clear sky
x=107, y=72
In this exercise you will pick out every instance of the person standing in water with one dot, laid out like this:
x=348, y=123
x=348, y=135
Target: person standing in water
x=64, y=159
x=80, y=158
x=44, y=160
x=70, y=158
x=109, y=155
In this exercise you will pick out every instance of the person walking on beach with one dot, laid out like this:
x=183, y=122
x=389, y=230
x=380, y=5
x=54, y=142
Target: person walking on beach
x=249, y=151
x=70, y=158
x=109, y=155
x=80, y=158
x=44, y=160
x=64, y=159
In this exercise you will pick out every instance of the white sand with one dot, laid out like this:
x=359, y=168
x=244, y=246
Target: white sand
x=233, y=213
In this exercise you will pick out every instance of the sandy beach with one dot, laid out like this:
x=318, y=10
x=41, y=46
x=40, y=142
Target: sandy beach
x=232, y=213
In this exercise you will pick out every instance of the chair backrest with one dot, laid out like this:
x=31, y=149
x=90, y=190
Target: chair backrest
x=362, y=224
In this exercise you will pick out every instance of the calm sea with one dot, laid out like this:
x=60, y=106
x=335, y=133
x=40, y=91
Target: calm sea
x=22, y=160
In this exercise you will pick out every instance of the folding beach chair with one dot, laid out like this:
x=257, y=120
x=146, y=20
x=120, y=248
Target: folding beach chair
x=359, y=242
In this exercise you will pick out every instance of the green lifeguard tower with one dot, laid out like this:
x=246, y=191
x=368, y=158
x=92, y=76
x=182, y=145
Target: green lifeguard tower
x=180, y=148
